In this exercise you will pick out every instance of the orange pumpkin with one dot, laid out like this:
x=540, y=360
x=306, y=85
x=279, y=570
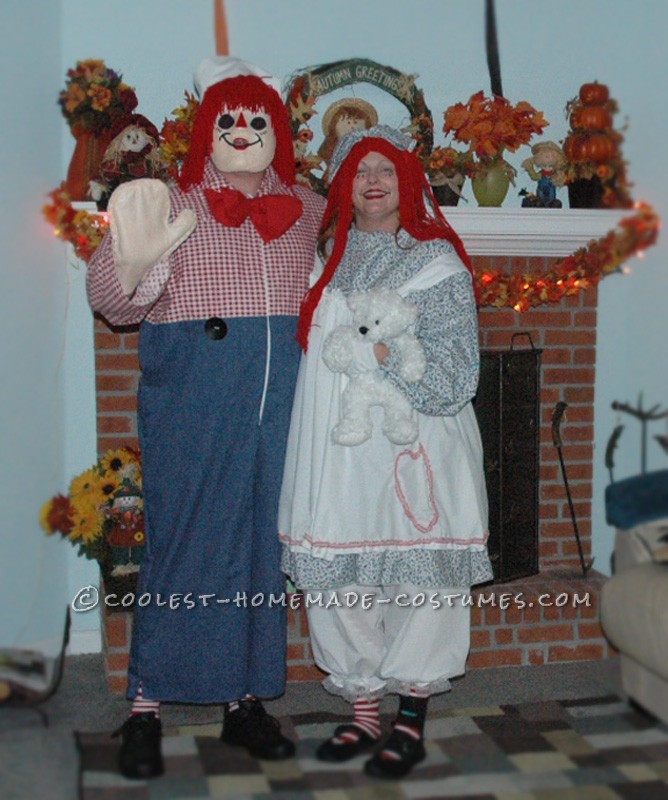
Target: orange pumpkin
x=594, y=94
x=574, y=147
x=598, y=148
x=591, y=118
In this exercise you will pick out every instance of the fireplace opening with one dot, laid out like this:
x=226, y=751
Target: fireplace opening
x=507, y=407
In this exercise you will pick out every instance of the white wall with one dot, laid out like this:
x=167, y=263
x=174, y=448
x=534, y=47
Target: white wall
x=548, y=49
x=33, y=310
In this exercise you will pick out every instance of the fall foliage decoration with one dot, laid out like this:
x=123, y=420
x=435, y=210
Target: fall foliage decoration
x=83, y=230
x=488, y=126
x=581, y=270
x=491, y=125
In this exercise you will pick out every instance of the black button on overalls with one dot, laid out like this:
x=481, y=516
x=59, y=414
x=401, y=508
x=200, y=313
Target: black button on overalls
x=215, y=328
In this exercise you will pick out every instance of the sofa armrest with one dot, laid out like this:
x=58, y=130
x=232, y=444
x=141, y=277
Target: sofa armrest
x=641, y=544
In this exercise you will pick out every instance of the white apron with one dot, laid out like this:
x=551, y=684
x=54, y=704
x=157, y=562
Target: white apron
x=377, y=496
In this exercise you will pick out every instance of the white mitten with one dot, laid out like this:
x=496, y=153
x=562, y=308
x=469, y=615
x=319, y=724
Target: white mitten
x=142, y=234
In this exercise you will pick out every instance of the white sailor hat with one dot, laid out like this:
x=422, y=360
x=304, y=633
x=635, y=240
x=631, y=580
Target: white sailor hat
x=218, y=68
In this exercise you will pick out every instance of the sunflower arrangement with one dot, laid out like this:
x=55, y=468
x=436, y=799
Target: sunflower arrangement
x=103, y=512
x=94, y=96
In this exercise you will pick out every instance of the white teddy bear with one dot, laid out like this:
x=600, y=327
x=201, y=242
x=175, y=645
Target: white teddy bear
x=379, y=315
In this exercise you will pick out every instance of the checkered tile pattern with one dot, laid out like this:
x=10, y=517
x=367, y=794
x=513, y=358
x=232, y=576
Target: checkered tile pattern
x=594, y=749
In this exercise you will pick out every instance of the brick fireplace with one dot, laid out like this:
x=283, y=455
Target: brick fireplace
x=548, y=617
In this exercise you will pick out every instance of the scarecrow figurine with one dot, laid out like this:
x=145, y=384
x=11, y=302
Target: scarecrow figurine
x=133, y=152
x=547, y=167
x=124, y=529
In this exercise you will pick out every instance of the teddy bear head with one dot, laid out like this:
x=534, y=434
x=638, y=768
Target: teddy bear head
x=380, y=314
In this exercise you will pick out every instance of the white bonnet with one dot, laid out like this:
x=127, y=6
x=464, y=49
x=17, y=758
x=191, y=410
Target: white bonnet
x=397, y=138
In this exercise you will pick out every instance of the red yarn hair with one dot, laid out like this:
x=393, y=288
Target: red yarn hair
x=243, y=91
x=413, y=216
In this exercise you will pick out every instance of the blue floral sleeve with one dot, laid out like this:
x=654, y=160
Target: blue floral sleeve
x=447, y=327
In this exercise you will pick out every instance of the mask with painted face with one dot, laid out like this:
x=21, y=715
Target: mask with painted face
x=243, y=140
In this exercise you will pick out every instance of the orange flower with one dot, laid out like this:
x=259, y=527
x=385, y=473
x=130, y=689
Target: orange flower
x=74, y=98
x=101, y=97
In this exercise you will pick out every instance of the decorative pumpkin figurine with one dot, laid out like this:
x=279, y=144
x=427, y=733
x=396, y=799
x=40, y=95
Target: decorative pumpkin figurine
x=133, y=152
x=595, y=171
x=546, y=166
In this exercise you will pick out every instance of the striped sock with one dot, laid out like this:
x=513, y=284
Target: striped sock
x=367, y=719
x=140, y=705
x=234, y=705
x=409, y=722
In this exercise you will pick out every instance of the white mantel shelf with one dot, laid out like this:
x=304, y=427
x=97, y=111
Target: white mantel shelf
x=540, y=232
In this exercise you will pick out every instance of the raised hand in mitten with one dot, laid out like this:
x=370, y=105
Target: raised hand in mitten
x=142, y=233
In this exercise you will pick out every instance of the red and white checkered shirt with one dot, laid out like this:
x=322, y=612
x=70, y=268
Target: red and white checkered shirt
x=219, y=271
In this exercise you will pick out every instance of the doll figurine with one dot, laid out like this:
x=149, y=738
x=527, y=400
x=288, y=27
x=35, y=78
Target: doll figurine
x=546, y=166
x=133, y=152
x=343, y=116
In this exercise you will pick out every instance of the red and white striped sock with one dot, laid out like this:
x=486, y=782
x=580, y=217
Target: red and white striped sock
x=234, y=705
x=367, y=719
x=141, y=705
x=410, y=721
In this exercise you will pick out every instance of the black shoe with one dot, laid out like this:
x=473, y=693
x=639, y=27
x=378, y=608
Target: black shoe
x=334, y=751
x=140, y=755
x=251, y=727
x=410, y=751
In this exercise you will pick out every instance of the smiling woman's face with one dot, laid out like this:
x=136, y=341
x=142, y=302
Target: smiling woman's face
x=243, y=141
x=376, y=194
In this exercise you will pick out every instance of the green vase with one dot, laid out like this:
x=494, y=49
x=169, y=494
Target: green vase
x=490, y=186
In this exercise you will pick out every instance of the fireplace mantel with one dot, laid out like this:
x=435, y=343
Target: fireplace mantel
x=537, y=232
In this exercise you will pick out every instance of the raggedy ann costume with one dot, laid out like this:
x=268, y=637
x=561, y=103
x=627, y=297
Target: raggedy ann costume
x=406, y=524
x=215, y=278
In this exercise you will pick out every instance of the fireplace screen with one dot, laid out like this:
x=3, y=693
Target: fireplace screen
x=507, y=407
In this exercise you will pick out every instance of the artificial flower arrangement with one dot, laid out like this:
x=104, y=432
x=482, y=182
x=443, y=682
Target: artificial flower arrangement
x=444, y=163
x=176, y=133
x=447, y=169
x=490, y=126
x=103, y=512
x=94, y=97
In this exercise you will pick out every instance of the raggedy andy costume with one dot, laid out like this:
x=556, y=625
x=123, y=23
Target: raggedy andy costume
x=214, y=270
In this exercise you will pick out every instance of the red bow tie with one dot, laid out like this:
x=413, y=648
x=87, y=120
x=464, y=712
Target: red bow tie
x=272, y=214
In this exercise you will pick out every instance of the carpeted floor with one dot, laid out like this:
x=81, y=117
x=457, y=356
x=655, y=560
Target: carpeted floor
x=599, y=748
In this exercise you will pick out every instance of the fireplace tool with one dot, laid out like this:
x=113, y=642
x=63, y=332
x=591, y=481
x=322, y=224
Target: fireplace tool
x=557, y=417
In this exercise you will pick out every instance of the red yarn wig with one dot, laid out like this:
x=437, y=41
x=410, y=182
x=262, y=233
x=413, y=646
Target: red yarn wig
x=413, y=216
x=243, y=91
